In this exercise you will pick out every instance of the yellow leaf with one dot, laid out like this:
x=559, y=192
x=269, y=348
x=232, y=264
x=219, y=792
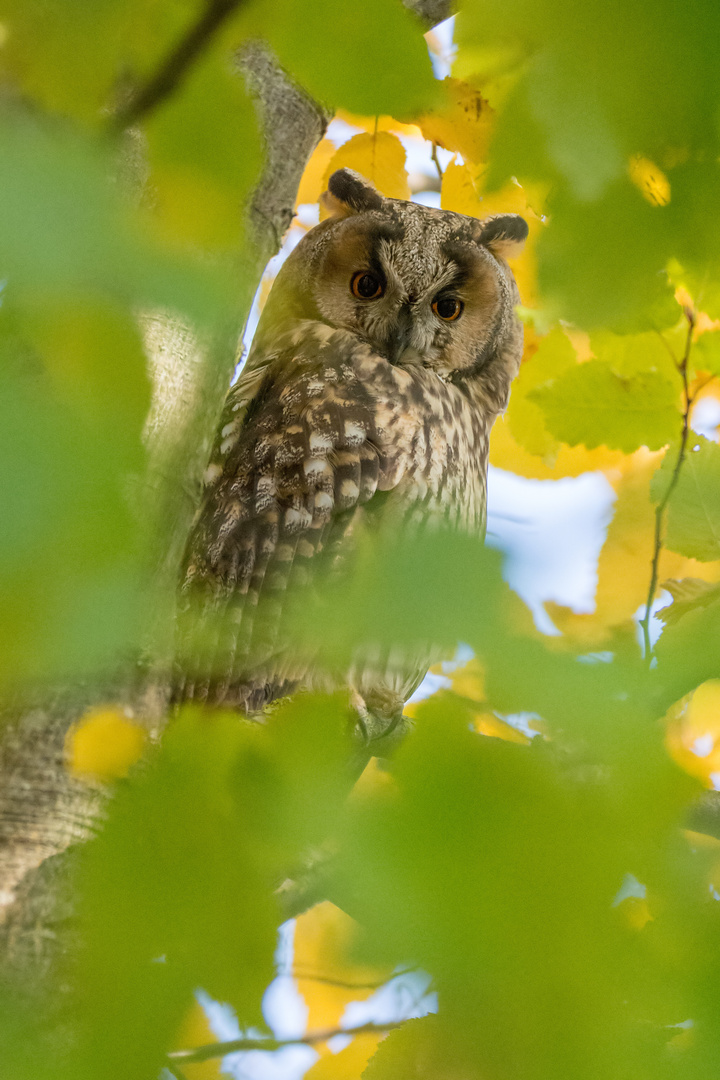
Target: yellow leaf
x=462, y=192
x=379, y=157
x=104, y=744
x=314, y=179
x=196, y=1031
x=693, y=731
x=635, y=912
x=469, y=681
x=326, y=979
x=506, y=453
x=464, y=125
x=376, y=781
x=458, y=191
x=486, y=723
x=650, y=180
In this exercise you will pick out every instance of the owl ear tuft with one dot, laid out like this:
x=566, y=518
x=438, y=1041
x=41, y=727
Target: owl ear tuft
x=350, y=193
x=504, y=234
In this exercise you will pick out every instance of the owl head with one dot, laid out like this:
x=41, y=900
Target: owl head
x=418, y=284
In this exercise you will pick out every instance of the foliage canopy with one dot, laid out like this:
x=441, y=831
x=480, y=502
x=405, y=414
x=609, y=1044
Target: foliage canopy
x=497, y=864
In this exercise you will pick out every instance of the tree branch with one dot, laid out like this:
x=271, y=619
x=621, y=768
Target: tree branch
x=661, y=507
x=173, y=68
x=220, y=1049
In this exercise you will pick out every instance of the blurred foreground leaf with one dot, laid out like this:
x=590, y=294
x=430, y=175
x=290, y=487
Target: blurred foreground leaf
x=368, y=58
x=178, y=890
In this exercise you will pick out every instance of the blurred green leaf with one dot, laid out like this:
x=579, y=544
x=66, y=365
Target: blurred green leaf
x=205, y=156
x=369, y=58
x=71, y=58
x=495, y=867
x=602, y=263
x=688, y=654
x=73, y=400
x=172, y=899
x=588, y=94
x=65, y=232
x=424, y=591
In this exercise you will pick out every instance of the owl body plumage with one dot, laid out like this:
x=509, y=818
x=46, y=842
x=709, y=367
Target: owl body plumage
x=351, y=413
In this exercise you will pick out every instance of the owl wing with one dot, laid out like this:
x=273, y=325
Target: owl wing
x=293, y=466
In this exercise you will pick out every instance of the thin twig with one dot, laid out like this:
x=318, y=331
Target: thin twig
x=341, y=983
x=661, y=507
x=434, y=158
x=220, y=1049
x=309, y=976
x=174, y=67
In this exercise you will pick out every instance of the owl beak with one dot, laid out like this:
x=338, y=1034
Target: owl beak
x=401, y=335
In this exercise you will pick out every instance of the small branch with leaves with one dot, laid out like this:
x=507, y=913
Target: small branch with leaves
x=173, y=68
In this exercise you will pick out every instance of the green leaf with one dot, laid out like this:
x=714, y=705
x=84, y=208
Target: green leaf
x=705, y=353
x=593, y=405
x=113, y=38
x=693, y=514
x=65, y=232
x=174, y=895
x=633, y=354
x=378, y=600
x=205, y=156
x=602, y=263
x=554, y=356
x=591, y=90
x=688, y=654
x=369, y=58
x=495, y=866
x=73, y=401
x=581, y=143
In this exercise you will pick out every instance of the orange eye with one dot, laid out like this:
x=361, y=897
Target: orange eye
x=447, y=308
x=366, y=286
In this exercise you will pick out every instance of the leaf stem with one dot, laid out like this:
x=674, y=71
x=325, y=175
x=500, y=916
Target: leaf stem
x=436, y=161
x=220, y=1049
x=175, y=65
x=661, y=507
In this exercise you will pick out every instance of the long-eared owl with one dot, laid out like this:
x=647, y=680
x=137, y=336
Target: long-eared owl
x=383, y=356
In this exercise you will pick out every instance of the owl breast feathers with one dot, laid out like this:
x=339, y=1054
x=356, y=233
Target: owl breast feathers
x=385, y=351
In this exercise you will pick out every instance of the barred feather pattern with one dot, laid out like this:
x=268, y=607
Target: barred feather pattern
x=308, y=440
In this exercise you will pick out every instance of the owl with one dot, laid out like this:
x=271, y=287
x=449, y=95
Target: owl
x=384, y=354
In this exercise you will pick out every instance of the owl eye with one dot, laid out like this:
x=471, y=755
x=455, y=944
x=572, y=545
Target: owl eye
x=366, y=286
x=447, y=308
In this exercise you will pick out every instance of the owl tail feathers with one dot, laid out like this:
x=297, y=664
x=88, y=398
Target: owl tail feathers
x=250, y=696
